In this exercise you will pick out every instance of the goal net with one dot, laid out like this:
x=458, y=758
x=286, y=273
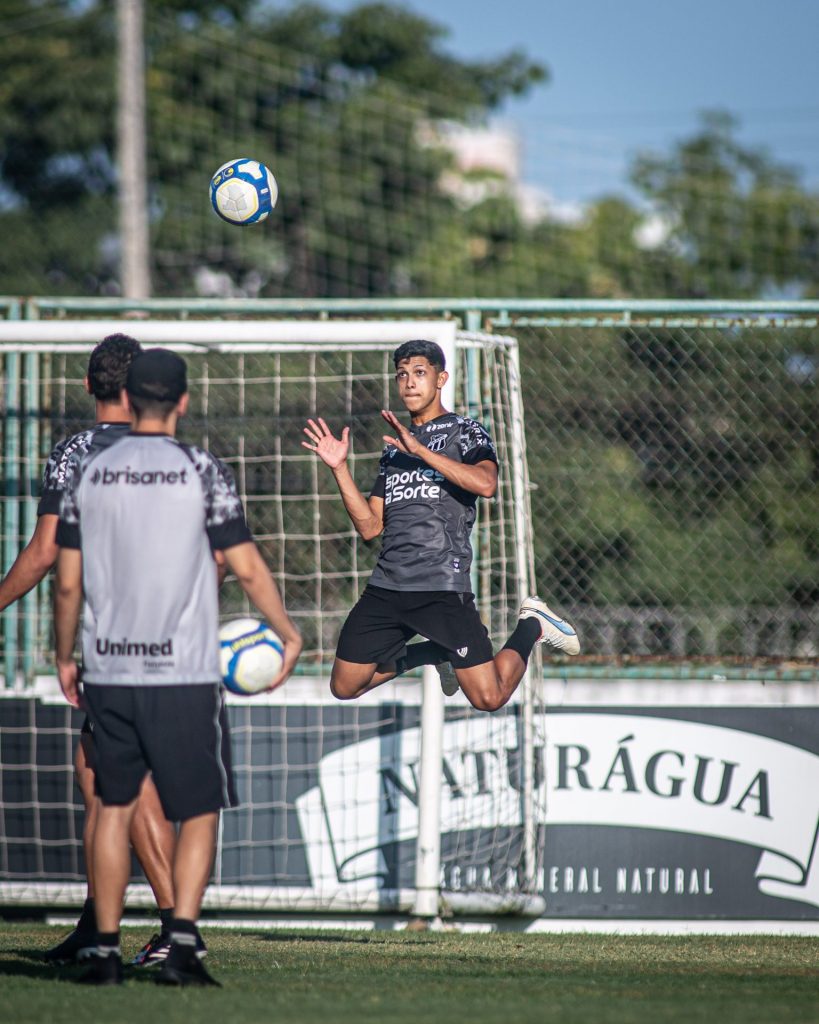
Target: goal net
x=330, y=792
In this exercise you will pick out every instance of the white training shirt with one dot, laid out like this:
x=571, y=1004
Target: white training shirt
x=146, y=514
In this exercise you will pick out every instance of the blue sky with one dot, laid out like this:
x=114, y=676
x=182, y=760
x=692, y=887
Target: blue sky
x=633, y=74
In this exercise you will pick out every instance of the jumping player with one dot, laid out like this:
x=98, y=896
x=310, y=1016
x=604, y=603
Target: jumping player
x=152, y=835
x=139, y=523
x=423, y=502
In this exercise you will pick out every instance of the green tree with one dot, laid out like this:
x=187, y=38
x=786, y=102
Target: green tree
x=739, y=222
x=333, y=101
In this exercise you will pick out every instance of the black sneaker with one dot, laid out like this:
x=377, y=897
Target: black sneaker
x=183, y=967
x=104, y=970
x=154, y=951
x=74, y=949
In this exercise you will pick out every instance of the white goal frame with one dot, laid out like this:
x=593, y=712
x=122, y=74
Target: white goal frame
x=303, y=335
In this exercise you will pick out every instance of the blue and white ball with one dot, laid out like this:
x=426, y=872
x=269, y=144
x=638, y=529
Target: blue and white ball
x=251, y=655
x=243, y=191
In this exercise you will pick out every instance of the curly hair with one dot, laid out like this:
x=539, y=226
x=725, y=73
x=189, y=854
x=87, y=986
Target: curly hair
x=108, y=366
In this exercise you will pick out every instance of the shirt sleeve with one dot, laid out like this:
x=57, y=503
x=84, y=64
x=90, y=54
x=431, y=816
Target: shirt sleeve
x=58, y=471
x=225, y=520
x=476, y=444
x=68, y=525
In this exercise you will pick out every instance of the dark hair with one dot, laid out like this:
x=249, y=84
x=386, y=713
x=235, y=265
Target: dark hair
x=108, y=366
x=430, y=350
x=152, y=407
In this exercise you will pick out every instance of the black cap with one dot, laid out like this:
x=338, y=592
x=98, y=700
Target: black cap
x=158, y=375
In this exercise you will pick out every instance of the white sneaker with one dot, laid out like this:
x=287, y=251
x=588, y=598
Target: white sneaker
x=553, y=630
x=449, y=681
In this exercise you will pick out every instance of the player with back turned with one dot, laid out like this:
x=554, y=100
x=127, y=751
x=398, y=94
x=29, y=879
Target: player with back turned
x=152, y=835
x=139, y=526
x=423, y=503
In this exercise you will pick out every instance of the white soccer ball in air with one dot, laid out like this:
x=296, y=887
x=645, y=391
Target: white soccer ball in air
x=251, y=655
x=243, y=191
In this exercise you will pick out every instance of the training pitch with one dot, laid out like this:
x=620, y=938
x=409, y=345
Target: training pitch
x=336, y=977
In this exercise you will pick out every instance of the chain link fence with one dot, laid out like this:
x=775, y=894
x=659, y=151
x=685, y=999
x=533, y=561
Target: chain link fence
x=673, y=459
x=674, y=462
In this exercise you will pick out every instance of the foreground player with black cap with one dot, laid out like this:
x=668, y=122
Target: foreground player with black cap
x=139, y=525
x=423, y=502
x=152, y=835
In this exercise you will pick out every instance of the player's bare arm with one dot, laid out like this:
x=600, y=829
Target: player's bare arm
x=480, y=479
x=221, y=566
x=67, y=604
x=247, y=564
x=33, y=562
x=367, y=515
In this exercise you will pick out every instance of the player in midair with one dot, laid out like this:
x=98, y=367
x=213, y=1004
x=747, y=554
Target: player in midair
x=152, y=835
x=423, y=503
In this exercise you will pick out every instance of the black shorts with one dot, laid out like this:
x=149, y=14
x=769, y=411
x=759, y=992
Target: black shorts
x=379, y=626
x=178, y=733
x=87, y=744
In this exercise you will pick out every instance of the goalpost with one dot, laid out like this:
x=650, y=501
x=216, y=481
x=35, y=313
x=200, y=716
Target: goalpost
x=398, y=802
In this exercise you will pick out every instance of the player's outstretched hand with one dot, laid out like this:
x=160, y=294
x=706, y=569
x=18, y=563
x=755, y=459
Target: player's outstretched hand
x=68, y=673
x=404, y=441
x=292, y=649
x=329, y=449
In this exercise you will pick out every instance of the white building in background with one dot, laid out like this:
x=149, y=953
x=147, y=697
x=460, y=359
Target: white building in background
x=489, y=162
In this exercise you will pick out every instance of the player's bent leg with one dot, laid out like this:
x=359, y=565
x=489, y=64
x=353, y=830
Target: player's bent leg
x=489, y=686
x=349, y=679
x=370, y=640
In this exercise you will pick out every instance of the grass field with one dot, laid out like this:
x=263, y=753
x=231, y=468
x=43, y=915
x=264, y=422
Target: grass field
x=302, y=976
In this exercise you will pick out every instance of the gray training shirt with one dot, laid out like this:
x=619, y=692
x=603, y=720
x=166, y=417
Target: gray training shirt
x=146, y=514
x=428, y=519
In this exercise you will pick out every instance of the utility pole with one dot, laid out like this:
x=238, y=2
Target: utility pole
x=131, y=141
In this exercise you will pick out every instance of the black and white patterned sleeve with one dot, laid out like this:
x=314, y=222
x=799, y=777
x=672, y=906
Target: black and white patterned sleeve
x=225, y=520
x=475, y=443
x=58, y=470
x=68, y=525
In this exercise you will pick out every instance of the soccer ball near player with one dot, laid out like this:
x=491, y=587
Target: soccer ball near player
x=243, y=191
x=251, y=655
